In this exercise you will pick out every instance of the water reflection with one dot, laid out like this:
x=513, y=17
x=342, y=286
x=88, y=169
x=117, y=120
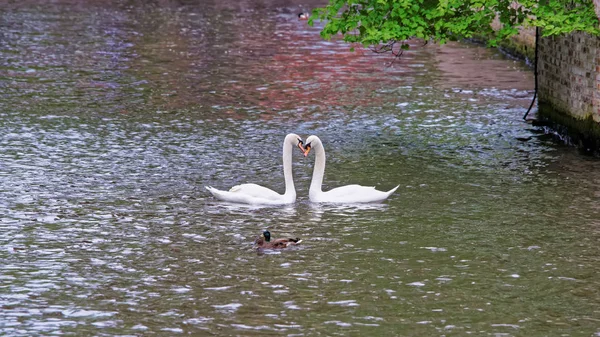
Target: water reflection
x=116, y=115
x=317, y=211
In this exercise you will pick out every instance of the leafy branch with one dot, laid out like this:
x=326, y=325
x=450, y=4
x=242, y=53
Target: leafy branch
x=383, y=23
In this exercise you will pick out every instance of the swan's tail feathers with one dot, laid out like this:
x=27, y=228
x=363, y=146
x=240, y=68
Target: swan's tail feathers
x=392, y=190
x=215, y=192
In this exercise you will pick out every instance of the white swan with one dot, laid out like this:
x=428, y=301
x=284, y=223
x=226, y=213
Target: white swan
x=343, y=194
x=254, y=194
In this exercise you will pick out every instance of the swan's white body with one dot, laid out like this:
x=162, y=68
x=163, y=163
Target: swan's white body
x=254, y=194
x=344, y=194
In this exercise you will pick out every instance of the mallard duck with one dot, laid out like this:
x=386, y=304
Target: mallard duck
x=264, y=241
x=303, y=16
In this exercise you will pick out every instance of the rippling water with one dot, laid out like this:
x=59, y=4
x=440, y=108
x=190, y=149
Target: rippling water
x=114, y=116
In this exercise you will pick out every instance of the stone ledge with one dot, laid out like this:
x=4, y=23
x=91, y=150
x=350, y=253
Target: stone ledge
x=583, y=133
x=521, y=46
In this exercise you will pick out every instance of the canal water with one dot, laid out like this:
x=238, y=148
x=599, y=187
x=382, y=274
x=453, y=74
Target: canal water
x=114, y=116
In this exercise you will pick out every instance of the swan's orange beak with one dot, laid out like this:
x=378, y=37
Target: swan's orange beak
x=306, y=150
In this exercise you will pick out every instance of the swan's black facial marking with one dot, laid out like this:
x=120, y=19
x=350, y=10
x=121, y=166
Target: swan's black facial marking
x=301, y=145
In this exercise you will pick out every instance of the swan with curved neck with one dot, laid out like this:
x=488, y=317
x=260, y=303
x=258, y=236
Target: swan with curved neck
x=343, y=194
x=254, y=194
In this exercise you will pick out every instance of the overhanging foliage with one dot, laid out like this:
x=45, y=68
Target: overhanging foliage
x=386, y=22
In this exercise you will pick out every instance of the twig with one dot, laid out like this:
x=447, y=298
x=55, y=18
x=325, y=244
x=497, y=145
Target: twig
x=535, y=70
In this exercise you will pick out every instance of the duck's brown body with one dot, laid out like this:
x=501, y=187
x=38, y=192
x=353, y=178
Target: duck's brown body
x=264, y=242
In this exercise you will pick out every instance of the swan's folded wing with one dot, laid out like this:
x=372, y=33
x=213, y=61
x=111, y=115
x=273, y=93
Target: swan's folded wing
x=350, y=190
x=354, y=194
x=251, y=194
x=255, y=191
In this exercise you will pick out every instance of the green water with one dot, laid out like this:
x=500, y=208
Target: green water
x=115, y=116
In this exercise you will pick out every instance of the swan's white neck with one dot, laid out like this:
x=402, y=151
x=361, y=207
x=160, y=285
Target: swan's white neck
x=319, y=170
x=290, y=189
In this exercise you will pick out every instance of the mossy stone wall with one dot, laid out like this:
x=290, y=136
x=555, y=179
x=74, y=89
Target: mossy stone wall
x=569, y=75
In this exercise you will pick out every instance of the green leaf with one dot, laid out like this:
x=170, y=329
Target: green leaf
x=372, y=22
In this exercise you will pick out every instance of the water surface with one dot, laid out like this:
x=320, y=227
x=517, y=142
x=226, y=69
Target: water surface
x=114, y=116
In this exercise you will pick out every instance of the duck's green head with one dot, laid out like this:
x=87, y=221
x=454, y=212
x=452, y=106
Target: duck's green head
x=267, y=236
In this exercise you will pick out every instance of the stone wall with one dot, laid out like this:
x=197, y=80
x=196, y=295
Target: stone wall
x=568, y=83
x=569, y=75
x=521, y=45
x=569, y=88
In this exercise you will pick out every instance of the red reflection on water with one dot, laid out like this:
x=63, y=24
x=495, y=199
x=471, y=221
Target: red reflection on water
x=218, y=56
x=323, y=74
